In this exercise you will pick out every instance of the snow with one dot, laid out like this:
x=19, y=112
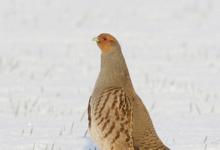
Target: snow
x=48, y=67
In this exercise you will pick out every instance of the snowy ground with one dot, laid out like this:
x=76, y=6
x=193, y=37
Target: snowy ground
x=48, y=66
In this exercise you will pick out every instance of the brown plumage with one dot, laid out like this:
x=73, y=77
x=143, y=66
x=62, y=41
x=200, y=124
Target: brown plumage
x=118, y=120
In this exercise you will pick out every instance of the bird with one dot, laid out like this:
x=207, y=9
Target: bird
x=117, y=117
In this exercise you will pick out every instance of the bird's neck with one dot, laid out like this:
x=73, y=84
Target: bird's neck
x=113, y=71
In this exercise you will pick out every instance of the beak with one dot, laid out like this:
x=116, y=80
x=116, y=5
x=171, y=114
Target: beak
x=95, y=39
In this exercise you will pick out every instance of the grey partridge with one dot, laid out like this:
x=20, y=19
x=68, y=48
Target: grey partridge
x=118, y=119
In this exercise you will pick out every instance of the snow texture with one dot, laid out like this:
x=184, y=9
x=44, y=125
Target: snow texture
x=48, y=67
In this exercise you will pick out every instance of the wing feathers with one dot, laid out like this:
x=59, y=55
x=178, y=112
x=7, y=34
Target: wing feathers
x=111, y=118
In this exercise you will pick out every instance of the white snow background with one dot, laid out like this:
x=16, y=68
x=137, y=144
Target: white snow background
x=48, y=67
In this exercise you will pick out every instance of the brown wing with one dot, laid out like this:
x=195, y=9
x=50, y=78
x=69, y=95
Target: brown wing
x=144, y=134
x=112, y=119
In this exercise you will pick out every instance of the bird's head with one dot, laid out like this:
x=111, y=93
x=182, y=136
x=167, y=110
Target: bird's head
x=106, y=42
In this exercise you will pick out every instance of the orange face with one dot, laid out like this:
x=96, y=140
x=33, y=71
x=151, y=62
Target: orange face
x=106, y=42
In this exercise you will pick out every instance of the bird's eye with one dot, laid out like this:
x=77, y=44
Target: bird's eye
x=104, y=38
